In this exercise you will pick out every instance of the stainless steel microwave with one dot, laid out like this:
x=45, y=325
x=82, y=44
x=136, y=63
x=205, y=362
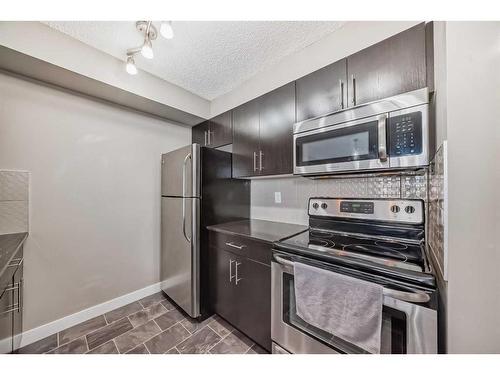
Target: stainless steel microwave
x=388, y=134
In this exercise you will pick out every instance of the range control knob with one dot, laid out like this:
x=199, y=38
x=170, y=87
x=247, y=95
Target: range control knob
x=315, y=205
x=324, y=206
x=395, y=208
x=409, y=209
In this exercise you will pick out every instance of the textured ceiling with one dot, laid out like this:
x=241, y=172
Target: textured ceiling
x=207, y=58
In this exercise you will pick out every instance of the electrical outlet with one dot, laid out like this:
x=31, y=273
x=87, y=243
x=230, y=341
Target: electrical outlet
x=277, y=197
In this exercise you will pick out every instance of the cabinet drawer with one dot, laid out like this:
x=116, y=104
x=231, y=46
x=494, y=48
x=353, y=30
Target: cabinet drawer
x=243, y=246
x=6, y=278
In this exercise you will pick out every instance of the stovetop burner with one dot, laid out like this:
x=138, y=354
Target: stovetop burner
x=398, y=253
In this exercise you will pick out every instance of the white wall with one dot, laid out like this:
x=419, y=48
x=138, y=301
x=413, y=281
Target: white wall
x=350, y=38
x=44, y=43
x=473, y=132
x=95, y=195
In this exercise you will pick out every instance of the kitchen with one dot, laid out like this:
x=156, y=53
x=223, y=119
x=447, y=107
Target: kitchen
x=312, y=203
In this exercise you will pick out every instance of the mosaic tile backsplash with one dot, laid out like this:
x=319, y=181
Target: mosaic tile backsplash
x=438, y=211
x=14, y=187
x=296, y=191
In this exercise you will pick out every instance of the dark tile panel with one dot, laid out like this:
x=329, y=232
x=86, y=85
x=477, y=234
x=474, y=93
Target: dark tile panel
x=173, y=351
x=108, y=332
x=78, y=346
x=81, y=329
x=220, y=326
x=146, y=315
x=234, y=343
x=123, y=311
x=168, y=305
x=167, y=339
x=200, y=342
x=168, y=319
x=194, y=325
x=40, y=346
x=136, y=336
x=152, y=299
x=107, y=348
x=140, y=349
x=257, y=349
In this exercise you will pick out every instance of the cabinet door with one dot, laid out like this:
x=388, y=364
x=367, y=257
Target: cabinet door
x=221, y=130
x=222, y=287
x=246, y=139
x=200, y=133
x=277, y=116
x=322, y=91
x=393, y=66
x=254, y=300
x=6, y=319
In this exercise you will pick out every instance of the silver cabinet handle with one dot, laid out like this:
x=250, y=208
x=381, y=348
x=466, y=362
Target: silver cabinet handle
x=417, y=297
x=20, y=296
x=231, y=270
x=209, y=139
x=341, y=99
x=239, y=247
x=261, y=154
x=353, y=80
x=254, y=161
x=205, y=136
x=188, y=156
x=382, y=141
x=236, y=276
x=15, y=262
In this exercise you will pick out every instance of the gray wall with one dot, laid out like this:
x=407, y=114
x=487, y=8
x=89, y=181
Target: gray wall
x=473, y=132
x=94, y=199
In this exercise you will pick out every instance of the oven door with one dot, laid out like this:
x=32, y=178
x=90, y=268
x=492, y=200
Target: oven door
x=351, y=146
x=407, y=328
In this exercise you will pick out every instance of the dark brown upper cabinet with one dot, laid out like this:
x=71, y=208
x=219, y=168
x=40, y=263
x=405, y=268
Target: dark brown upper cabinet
x=277, y=116
x=246, y=140
x=393, y=66
x=199, y=133
x=263, y=134
x=323, y=91
x=221, y=130
x=215, y=132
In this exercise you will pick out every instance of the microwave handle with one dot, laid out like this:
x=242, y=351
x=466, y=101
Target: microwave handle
x=382, y=137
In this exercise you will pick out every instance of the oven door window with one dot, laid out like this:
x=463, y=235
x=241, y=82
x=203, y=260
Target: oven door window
x=393, y=337
x=353, y=143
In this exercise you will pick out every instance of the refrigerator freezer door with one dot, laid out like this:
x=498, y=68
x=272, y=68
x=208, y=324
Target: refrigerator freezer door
x=180, y=172
x=180, y=252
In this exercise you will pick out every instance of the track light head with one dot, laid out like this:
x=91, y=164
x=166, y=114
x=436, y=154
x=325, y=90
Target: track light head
x=166, y=30
x=130, y=67
x=147, y=49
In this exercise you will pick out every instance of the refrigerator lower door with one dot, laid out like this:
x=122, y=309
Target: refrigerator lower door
x=180, y=252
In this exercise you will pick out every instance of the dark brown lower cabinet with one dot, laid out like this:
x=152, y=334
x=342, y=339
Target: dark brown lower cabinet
x=241, y=293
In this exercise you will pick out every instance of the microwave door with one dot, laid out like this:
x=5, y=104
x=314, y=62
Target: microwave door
x=352, y=146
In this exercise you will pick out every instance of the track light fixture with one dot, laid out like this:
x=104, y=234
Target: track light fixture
x=150, y=33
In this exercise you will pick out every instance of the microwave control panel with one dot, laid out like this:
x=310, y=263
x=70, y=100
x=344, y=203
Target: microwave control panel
x=405, y=134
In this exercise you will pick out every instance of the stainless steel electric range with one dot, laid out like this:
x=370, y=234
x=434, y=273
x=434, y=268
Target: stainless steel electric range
x=378, y=240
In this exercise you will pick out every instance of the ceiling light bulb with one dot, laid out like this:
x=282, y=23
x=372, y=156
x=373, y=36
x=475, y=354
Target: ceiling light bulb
x=147, y=49
x=131, y=68
x=166, y=30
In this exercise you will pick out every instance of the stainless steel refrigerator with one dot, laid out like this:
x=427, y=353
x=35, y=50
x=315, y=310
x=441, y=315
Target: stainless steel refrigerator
x=197, y=190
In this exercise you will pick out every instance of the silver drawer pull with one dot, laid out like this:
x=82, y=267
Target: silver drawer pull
x=418, y=297
x=239, y=247
x=11, y=308
x=237, y=279
x=15, y=262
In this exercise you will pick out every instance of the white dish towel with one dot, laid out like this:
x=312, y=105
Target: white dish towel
x=346, y=307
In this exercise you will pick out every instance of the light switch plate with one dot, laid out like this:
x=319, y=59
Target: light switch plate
x=277, y=197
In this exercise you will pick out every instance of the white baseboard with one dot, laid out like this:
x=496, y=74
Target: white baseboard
x=48, y=329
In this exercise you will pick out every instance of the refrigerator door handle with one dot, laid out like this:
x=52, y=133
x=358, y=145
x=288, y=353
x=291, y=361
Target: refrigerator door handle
x=188, y=156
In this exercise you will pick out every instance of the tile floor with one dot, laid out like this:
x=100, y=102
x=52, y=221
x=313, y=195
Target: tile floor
x=152, y=325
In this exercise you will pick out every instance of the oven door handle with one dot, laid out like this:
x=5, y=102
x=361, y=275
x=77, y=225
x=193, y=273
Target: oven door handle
x=415, y=297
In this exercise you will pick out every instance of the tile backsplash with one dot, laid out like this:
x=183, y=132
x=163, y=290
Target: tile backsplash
x=438, y=211
x=296, y=191
x=14, y=188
